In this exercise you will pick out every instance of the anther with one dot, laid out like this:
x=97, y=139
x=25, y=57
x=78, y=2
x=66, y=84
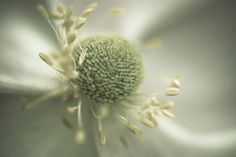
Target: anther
x=172, y=91
x=43, y=11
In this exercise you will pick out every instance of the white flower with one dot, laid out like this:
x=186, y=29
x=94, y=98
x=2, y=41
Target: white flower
x=24, y=72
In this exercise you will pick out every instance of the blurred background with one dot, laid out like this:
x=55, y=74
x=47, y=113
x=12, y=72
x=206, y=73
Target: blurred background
x=196, y=39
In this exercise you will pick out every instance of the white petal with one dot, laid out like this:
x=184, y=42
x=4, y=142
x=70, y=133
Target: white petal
x=201, y=50
x=21, y=68
x=215, y=140
x=39, y=132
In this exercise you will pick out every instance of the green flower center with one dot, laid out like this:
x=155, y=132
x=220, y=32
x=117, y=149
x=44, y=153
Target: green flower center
x=112, y=68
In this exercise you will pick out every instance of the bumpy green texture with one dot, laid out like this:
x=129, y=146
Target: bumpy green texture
x=112, y=68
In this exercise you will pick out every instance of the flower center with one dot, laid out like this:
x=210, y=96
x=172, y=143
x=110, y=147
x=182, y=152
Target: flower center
x=112, y=68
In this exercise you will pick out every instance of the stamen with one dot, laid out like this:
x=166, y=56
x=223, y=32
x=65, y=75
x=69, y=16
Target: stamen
x=79, y=117
x=80, y=22
x=68, y=24
x=72, y=109
x=89, y=9
x=80, y=136
x=94, y=113
x=168, y=113
x=175, y=83
x=43, y=11
x=25, y=104
x=132, y=128
x=87, y=12
x=61, y=9
x=146, y=121
x=102, y=137
x=103, y=111
x=46, y=58
x=172, y=91
x=68, y=13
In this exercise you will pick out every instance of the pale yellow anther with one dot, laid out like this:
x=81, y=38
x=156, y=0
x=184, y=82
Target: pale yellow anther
x=80, y=137
x=87, y=12
x=61, y=9
x=135, y=130
x=172, y=91
x=103, y=111
x=80, y=22
x=72, y=109
x=69, y=12
x=101, y=137
x=43, y=11
x=146, y=121
x=168, y=113
x=46, y=58
x=56, y=16
x=68, y=23
x=175, y=83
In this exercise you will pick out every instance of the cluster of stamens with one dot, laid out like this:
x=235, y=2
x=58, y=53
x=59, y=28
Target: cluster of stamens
x=65, y=63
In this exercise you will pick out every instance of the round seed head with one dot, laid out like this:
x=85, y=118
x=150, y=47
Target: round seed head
x=112, y=68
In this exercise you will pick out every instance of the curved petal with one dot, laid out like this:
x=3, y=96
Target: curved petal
x=21, y=40
x=38, y=132
x=200, y=49
x=216, y=141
